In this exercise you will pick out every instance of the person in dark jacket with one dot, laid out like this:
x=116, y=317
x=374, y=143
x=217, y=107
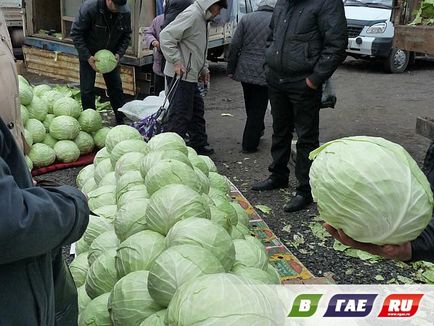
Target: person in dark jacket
x=306, y=45
x=246, y=64
x=35, y=284
x=173, y=9
x=101, y=24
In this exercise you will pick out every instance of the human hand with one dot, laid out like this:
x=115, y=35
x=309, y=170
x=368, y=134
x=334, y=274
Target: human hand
x=92, y=62
x=310, y=84
x=156, y=44
x=231, y=76
x=205, y=78
x=398, y=252
x=179, y=69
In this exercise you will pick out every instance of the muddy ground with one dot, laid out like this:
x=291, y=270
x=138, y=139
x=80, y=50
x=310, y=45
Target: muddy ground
x=370, y=102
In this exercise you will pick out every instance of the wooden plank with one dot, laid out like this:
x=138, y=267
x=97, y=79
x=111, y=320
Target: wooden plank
x=66, y=67
x=414, y=38
x=425, y=127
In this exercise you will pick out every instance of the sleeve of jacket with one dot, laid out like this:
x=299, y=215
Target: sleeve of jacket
x=235, y=48
x=422, y=247
x=37, y=220
x=173, y=33
x=80, y=27
x=333, y=27
x=126, y=37
x=151, y=34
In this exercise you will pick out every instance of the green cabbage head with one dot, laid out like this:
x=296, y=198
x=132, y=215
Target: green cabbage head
x=105, y=61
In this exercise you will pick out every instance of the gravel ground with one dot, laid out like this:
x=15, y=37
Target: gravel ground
x=369, y=103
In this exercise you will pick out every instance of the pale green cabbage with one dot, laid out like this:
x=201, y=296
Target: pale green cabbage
x=153, y=159
x=128, y=162
x=67, y=106
x=64, y=128
x=105, y=61
x=100, y=136
x=102, y=243
x=28, y=137
x=249, y=254
x=97, y=225
x=101, y=155
x=83, y=299
x=40, y=90
x=90, y=120
x=157, y=319
x=168, y=141
x=96, y=313
x=121, y=133
x=79, y=268
x=37, y=129
x=24, y=114
x=42, y=155
x=101, y=276
x=66, y=151
x=84, y=142
x=25, y=92
x=131, y=218
x=127, y=146
x=101, y=169
x=47, y=121
x=102, y=196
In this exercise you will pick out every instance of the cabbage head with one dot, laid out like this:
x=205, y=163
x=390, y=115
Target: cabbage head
x=42, y=155
x=84, y=142
x=219, y=182
x=29, y=163
x=26, y=93
x=66, y=151
x=67, y=106
x=101, y=169
x=127, y=181
x=128, y=162
x=199, y=163
x=101, y=155
x=79, y=268
x=230, y=300
x=243, y=217
x=81, y=246
x=127, y=146
x=24, y=114
x=89, y=186
x=100, y=136
x=47, y=121
x=225, y=206
x=83, y=299
x=105, y=61
x=209, y=163
x=102, y=196
x=168, y=172
x=64, y=128
x=240, y=231
x=134, y=193
x=23, y=80
x=131, y=219
x=50, y=98
x=206, y=234
x=108, y=212
x=174, y=203
x=138, y=252
x=96, y=226
x=168, y=141
x=130, y=302
x=37, y=129
x=102, y=243
x=255, y=274
x=96, y=312
x=153, y=159
x=102, y=275
x=38, y=109
x=203, y=180
x=176, y=266
x=40, y=90
x=372, y=189
x=273, y=274
x=249, y=254
x=121, y=133
x=157, y=319
x=90, y=120
x=221, y=218
x=50, y=141
x=28, y=137
x=108, y=180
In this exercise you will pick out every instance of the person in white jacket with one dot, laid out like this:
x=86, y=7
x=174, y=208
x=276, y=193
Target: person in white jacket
x=184, y=44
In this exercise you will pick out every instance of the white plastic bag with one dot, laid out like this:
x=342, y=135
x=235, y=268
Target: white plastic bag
x=137, y=110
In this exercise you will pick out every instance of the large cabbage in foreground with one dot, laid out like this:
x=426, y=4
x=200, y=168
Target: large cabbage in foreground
x=372, y=189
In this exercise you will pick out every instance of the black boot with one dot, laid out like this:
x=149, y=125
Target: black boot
x=297, y=203
x=269, y=184
x=204, y=150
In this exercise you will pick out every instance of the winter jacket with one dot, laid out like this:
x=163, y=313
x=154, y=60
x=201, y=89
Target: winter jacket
x=185, y=40
x=10, y=110
x=247, y=52
x=422, y=247
x=308, y=39
x=173, y=9
x=153, y=34
x=36, y=286
x=94, y=30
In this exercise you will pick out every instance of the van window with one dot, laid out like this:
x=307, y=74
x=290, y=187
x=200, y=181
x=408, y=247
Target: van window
x=386, y=4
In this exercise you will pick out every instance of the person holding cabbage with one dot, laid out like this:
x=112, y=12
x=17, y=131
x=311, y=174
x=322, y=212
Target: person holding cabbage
x=35, y=284
x=102, y=26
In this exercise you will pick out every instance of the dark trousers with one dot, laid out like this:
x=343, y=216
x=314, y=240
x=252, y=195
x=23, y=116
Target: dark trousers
x=114, y=88
x=294, y=107
x=186, y=113
x=158, y=84
x=256, y=101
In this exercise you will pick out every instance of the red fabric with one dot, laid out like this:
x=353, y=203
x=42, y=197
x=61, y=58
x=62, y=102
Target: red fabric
x=82, y=160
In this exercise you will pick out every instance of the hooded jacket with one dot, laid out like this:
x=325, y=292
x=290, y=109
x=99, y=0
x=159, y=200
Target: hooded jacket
x=185, y=40
x=36, y=286
x=93, y=30
x=10, y=110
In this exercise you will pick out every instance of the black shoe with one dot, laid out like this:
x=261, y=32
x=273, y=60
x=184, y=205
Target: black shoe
x=297, y=203
x=269, y=184
x=204, y=150
x=249, y=151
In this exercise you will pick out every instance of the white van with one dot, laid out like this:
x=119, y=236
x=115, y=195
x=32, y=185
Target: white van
x=370, y=33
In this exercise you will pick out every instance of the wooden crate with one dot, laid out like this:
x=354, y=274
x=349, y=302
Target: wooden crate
x=66, y=67
x=414, y=38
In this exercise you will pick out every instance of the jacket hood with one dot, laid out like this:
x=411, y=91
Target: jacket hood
x=205, y=4
x=267, y=3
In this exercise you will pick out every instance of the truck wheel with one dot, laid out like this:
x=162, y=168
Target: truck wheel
x=397, y=61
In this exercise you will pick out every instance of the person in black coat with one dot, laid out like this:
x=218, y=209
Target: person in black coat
x=307, y=43
x=101, y=24
x=35, y=284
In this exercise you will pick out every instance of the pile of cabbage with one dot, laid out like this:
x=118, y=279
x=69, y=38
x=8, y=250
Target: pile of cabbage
x=372, y=189
x=167, y=245
x=55, y=125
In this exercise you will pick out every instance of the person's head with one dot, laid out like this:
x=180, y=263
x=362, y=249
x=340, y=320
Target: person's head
x=215, y=8
x=117, y=5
